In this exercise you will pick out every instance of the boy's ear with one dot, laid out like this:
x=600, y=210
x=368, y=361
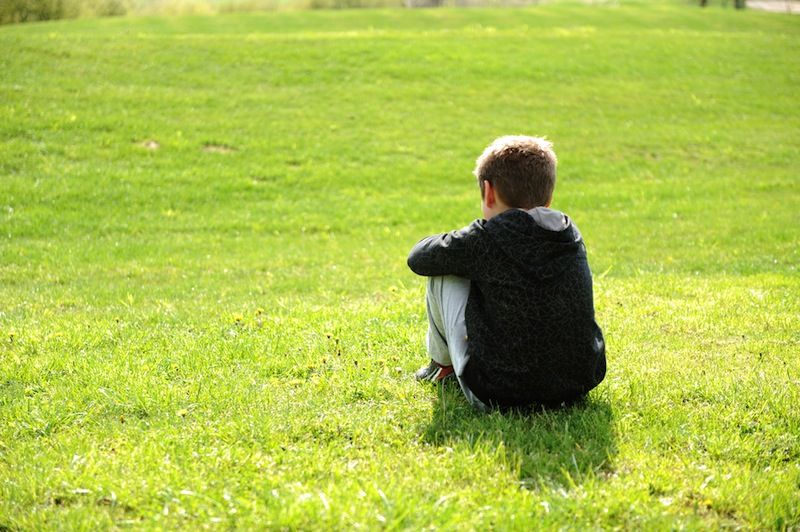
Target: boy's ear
x=488, y=194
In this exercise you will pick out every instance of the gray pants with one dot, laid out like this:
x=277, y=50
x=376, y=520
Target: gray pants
x=447, y=333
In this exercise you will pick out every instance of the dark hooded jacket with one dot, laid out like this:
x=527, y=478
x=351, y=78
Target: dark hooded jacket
x=532, y=334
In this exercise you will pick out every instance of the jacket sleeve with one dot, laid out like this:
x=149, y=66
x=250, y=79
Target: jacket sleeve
x=450, y=253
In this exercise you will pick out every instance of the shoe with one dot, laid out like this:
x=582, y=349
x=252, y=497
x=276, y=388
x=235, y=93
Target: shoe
x=434, y=372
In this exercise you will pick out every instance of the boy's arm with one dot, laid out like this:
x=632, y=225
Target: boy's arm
x=446, y=254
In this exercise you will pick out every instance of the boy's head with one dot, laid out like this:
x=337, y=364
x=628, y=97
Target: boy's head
x=520, y=170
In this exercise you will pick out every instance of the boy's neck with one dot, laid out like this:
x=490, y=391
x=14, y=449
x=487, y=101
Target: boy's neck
x=492, y=204
x=500, y=208
x=490, y=213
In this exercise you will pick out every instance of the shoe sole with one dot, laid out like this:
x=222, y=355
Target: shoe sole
x=439, y=375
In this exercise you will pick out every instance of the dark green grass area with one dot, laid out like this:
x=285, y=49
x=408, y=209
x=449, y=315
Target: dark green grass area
x=206, y=315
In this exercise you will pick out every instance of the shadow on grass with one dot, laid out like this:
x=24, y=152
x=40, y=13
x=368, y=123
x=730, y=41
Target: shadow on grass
x=563, y=446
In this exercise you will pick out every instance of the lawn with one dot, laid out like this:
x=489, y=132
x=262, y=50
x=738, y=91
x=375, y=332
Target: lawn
x=206, y=319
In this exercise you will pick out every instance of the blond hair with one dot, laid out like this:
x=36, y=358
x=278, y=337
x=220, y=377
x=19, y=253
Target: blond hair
x=521, y=169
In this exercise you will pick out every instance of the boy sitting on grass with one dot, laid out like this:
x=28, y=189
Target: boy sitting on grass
x=509, y=300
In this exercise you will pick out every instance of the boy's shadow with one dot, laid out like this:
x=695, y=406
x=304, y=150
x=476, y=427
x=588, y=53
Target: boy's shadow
x=550, y=447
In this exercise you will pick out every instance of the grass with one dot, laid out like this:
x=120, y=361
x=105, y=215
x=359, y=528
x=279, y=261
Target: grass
x=206, y=316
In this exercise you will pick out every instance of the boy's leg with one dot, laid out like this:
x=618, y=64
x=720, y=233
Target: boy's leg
x=447, y=332
x=446, y=300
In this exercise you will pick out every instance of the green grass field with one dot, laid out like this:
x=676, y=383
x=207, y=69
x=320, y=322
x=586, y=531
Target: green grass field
x=206, y=316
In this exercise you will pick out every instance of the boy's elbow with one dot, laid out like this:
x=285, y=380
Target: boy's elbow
x=414, y=257
x=419, y=260
x=426, y=257
x=415, y=264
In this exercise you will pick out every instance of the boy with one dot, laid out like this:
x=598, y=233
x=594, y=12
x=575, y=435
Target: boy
x=509, y=300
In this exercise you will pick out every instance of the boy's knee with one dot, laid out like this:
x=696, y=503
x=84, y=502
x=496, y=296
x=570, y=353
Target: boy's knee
x=445, y=290
x=451, y=283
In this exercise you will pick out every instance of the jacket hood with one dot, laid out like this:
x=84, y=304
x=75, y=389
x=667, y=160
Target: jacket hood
x=542, y=242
